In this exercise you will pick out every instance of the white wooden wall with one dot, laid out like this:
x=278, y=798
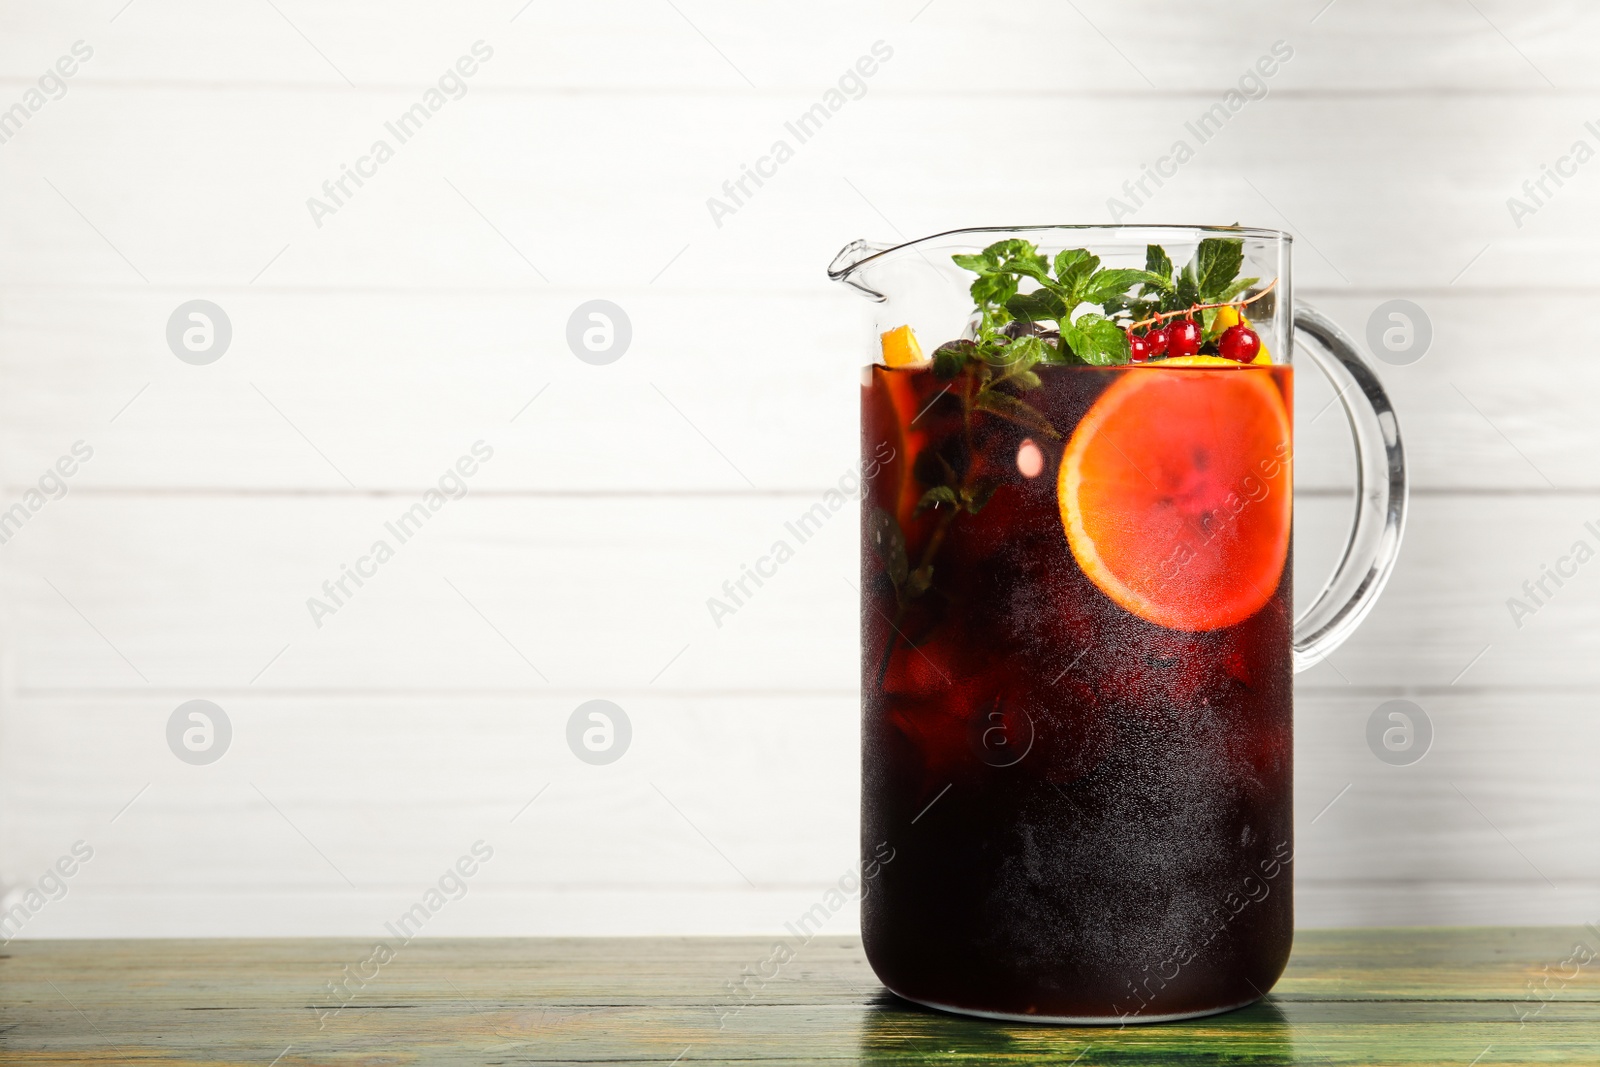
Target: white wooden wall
x=369, y=353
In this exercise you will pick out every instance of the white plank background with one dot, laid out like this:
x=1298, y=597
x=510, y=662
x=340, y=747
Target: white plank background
x=426, y=313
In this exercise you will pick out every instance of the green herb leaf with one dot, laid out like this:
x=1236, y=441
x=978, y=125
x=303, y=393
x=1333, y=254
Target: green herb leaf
x=1063, y=355
x=1236, y=289
x=949, y=358
x=996, y=352
x=1156, y=261
x=981, y=494
x=1022, y=355
x=1029, y=264
x=1013, y=256
x=1043, y=305
x=1010, y=248
x=889, y=543
x=1009, y=407
x=1217, y=263
x=939, y=494
x=920, y=581
x=1106, y=285
x=1073, y=267
x=931, y=468
x=1096, y=340
x=1186, y=293
x=993, y=289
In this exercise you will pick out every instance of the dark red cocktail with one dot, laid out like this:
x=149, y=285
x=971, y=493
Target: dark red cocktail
x=1077, y=689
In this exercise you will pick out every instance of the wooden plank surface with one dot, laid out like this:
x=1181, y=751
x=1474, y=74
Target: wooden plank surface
x=1349, y=997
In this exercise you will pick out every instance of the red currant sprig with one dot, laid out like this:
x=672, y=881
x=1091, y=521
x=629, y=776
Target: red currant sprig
x=1182, y=338
x=1239, y=343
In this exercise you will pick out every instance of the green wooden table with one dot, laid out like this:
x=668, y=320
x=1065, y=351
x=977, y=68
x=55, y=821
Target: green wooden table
x=1415, y=996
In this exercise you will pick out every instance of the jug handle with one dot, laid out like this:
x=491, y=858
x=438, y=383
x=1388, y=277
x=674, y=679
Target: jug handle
x=1369, y=555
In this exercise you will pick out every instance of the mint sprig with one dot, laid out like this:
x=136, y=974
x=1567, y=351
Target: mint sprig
x=1057, y=291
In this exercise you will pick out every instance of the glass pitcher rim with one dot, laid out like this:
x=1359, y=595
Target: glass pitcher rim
x=866, y=252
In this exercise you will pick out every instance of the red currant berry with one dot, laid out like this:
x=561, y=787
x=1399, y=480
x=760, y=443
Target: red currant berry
x=1138, y=349
x=1185, y=338
x=1159, y=340
x=1239, y=343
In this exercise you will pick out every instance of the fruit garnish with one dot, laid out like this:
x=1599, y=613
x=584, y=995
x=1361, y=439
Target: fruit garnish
x=1229, y=317
x=1239, y=343
x=901, y=348
x=1185, y=338
x=1174, y=493
x=1194, y=361
x=1029, y=302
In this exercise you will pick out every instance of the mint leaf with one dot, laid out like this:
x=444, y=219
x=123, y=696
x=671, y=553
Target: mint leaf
x=920, y=580
x=1063, y=354
x=939, y=494
x=981, y=494
x=996, y=352
x=1000, y=268
x=1096, y=340
x=1236, y=289
x=1073, y=267
x=1156, y=261
x=1022, y=355
x=1105, y=286
x=1039, y=306
x=1013, y=256
x=1010, y=248
x=1030, y=265
x=1217, y=263
x=1186, y=293
x=1009, y=407
x=949, y=358
x=930, y=468
x=993, y=288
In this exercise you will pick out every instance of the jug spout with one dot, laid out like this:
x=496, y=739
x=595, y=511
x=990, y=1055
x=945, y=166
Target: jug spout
x=844, y=267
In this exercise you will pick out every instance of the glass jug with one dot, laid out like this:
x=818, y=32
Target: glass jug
x=1078, y=640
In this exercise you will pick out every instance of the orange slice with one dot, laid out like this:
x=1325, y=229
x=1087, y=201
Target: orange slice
x=1175, y=493
x=901, y=348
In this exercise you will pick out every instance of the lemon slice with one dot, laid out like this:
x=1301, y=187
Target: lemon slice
x=1194, y=361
